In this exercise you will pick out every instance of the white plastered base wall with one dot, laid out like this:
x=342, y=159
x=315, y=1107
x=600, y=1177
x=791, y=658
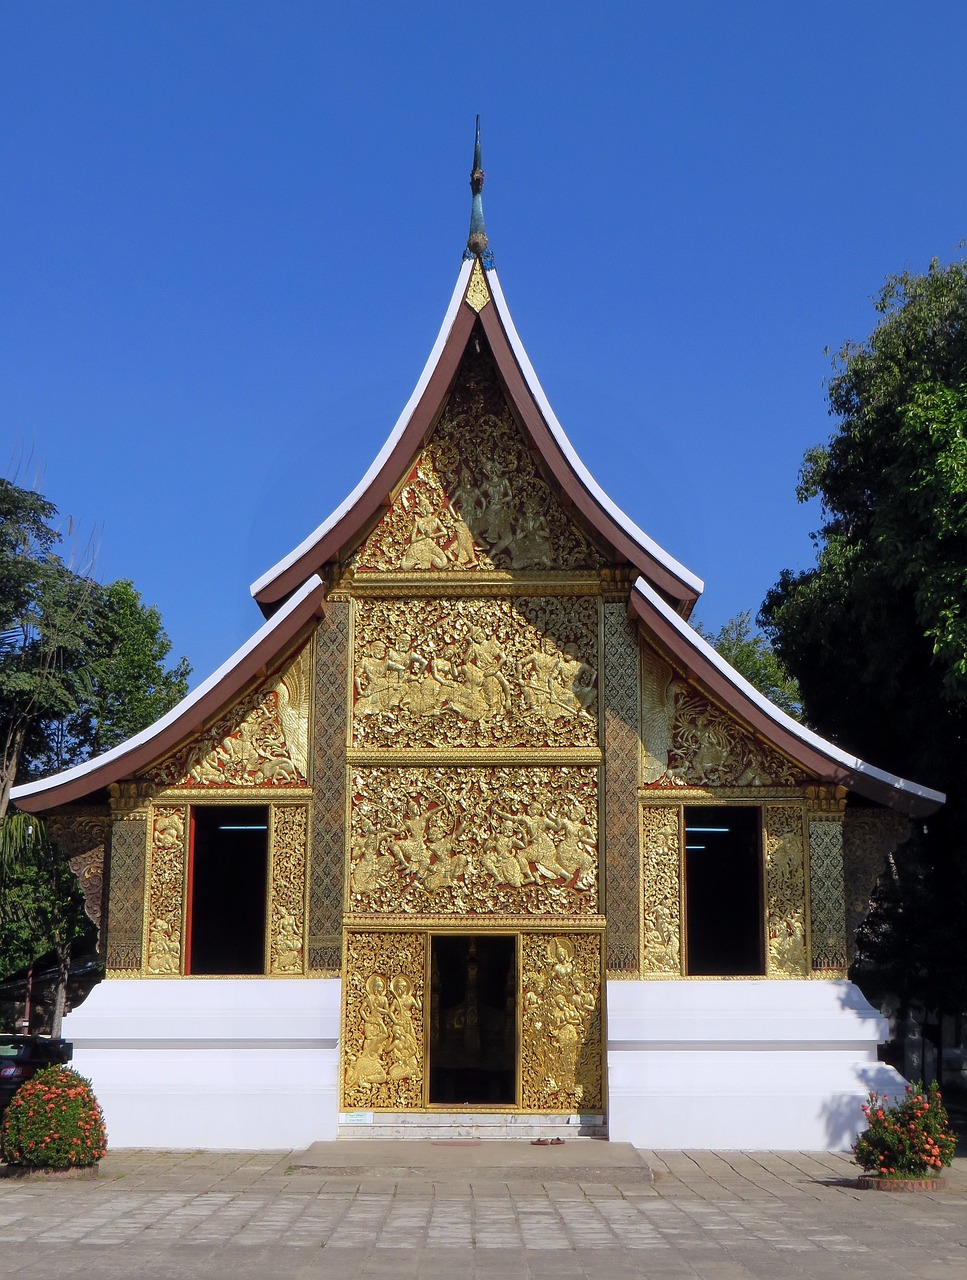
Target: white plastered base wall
x=239, y=1064
x=733, y=1064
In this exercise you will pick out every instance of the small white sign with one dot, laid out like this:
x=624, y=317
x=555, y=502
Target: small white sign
x=356, y=1117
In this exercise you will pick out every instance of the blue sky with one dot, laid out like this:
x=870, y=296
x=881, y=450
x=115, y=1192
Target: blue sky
x=230, y=230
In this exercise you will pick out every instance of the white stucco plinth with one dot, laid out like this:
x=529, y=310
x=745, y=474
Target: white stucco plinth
x=227, y=1064
x=733, y=1064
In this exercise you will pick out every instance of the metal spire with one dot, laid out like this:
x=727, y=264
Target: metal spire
x=477, y=244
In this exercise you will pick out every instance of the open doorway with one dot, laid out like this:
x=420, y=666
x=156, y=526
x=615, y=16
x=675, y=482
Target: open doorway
x=723, y=891
x=473, y=1020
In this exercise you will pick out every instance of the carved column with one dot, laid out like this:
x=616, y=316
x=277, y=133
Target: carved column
x=621, y=745
x=785, y=859
x=166, y=879
x=126, y=872
x=328, y=846
x=661, y=855
x=288, y=887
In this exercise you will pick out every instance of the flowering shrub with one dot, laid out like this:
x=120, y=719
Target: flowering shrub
x=54, y=1122
x=911, y=1139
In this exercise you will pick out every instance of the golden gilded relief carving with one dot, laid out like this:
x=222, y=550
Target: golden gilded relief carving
x=475, y=499
x=661, y=890
x=263, y=741
x=447, y=673
x=688, y=742
x=561, y=1022
x=507, y=840
x=383, y=1021
x=785, y=891
x=477, y=295
x=167, y=858
x=290, y=830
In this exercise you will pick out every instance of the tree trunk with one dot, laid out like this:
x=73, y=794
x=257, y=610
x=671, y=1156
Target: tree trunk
x=14, y=740
x=60, y=991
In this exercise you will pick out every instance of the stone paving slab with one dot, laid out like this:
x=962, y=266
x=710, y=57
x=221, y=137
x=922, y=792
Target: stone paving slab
x=722, y=1215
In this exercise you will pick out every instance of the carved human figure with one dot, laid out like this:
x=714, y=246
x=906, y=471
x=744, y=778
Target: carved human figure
x=367, y=1067
x=539, y=848
x=536, y=674
x=288, y=944
x=377, y=690
x=575, y=853
x=427, y=539
x=404, y=1049
x=164, y=948
x=364, y=871
x=488, y=656
x=574, y=681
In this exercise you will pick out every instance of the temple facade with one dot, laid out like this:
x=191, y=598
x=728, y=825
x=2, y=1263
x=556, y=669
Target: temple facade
x=476, y=835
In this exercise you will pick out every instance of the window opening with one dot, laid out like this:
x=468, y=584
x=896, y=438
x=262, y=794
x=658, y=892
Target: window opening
x=227, y=889
x=723, y=892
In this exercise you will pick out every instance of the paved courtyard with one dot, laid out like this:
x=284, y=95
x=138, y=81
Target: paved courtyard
x=475, y=1211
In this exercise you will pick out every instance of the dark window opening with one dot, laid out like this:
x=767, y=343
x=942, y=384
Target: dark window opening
x=473, y=1020
x=723, y=892
x=227, y=889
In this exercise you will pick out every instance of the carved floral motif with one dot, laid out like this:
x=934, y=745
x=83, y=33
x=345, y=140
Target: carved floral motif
x=661, y=889
x=167, y=856
x=469, y=840
x=561, y=1022
x=476, y=672
x=475, y=499
x=84, y=839
x=263, y=741
x=785, y=891
x=689, y=742
x=383, y=1021
x=869, y=835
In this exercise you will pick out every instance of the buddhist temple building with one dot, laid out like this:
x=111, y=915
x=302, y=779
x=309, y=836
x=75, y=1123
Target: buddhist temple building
x=476, y=835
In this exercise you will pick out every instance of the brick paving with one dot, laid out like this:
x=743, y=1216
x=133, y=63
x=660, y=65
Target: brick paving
x=383, y=1210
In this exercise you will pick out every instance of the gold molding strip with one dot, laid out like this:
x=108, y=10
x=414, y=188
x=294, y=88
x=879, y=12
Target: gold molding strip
x=485, y=583
x=232, y=795
x=573, y=757
x=467, y=924
x=716, y=795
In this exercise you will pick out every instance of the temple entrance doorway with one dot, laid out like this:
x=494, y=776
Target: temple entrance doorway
x=473, y=1020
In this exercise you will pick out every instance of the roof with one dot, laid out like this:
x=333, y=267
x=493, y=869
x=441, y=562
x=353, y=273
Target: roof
x=345, y=528
x=816, y=755
x=195, y=710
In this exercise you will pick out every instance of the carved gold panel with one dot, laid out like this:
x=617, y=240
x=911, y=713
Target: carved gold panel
x=382, y=1063
x=287, y=881
x=561, y=1022
x=167, y=868
x=471, y=673
x=687, y=741
x=475, y=499
x=785, y=865
x=661, y=877
x=827, y=895
x=474, y=841
x=477, y=295
x=622, y=836
x=262, y=742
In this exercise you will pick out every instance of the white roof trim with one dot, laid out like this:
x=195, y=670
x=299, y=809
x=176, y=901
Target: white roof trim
x=331, y=521
x=597, y=493
x=312, y=584
x=779, y=717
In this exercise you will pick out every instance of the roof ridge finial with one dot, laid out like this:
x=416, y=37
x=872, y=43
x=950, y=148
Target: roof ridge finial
x=477, y=243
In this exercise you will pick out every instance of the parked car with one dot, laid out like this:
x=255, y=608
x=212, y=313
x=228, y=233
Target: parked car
x=22, y=1056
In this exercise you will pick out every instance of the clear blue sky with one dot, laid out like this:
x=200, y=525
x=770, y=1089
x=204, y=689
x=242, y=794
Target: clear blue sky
x=230, y=230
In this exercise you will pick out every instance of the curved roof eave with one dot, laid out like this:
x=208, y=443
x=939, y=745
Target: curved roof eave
x=539, y=419
x=265, y=589
x=803, y=745
x=693, y=585
x=199, y=706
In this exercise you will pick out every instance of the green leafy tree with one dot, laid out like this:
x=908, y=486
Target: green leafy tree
x=750, y=652
x=82, y=665
x=876, y=633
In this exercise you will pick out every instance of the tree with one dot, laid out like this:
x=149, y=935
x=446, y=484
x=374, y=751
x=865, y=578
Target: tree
x=82, y=665
x=876, y=632
x=754, y=657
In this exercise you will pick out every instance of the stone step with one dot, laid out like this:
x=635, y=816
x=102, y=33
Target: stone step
x=469, y=1125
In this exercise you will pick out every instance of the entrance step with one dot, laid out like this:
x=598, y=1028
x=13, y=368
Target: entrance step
x=443, y=1126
